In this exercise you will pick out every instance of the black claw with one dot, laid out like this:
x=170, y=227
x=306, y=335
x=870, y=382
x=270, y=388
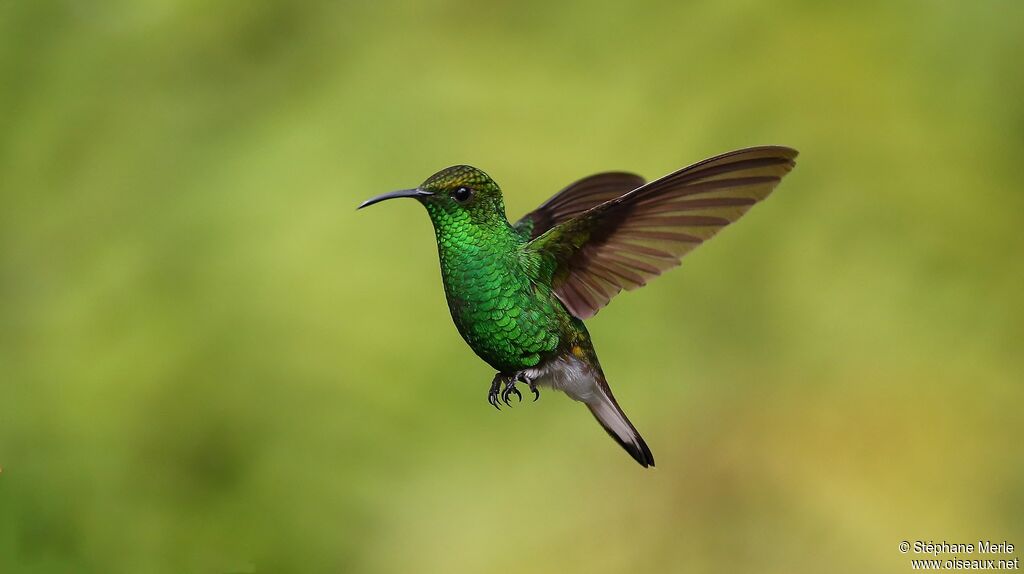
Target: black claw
x=492, y=395
x=510, y=388
x=497, y=395
x=521, y=376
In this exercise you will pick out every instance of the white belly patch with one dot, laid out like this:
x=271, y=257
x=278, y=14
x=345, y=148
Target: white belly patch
x=569, y=375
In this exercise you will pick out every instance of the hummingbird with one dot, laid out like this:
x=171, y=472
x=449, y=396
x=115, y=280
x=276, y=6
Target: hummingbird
x=519, y=293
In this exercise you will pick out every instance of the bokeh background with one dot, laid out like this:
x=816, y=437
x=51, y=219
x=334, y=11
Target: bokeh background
x=211, y=363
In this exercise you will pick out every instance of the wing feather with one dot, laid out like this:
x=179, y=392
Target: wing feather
x=575, y=199
x=622, y=239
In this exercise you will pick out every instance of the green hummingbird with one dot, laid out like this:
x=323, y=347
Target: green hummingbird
x=519, y=293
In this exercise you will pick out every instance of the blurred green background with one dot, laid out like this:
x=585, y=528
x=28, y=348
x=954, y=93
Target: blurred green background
x=211, y=363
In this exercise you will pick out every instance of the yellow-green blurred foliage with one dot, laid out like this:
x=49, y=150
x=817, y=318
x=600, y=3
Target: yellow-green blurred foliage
x=211, y=363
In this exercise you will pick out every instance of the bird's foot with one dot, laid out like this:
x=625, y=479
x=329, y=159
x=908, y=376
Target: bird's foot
x=498, y=395
x=510, y=389
x=493, y=396
x=521, y=376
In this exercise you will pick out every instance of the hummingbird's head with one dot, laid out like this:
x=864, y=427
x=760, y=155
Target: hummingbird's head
x=456, y=192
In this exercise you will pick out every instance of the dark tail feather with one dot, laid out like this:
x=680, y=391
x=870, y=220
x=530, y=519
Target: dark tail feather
x=615, y=423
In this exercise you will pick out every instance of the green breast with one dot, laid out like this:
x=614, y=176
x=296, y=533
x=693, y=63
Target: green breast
x=508, y=318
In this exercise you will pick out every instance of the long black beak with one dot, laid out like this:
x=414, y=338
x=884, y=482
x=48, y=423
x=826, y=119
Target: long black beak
x=400, y=193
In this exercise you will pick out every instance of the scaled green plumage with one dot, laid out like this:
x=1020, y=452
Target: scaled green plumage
x=490, y=280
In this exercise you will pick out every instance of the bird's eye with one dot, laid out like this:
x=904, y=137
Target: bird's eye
x=462, y=194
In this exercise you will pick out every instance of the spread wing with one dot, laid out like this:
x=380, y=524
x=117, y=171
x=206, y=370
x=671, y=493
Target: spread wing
x=576, y=198
x=626, y=241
